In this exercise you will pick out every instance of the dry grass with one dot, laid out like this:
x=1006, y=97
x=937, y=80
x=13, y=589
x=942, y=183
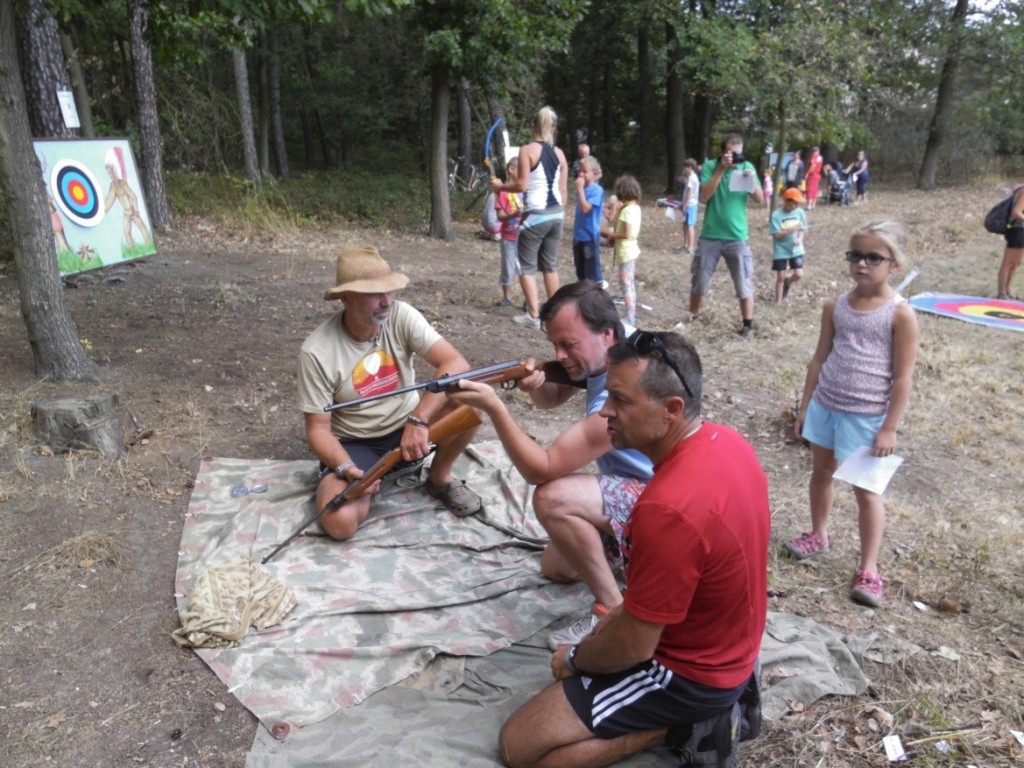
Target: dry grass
x=89, y=549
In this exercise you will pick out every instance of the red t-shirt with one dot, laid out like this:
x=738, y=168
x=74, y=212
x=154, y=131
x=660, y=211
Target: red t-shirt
x=696, y=557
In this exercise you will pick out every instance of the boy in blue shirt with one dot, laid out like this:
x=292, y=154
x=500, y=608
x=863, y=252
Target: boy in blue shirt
x=586, y=229
x=787, y=227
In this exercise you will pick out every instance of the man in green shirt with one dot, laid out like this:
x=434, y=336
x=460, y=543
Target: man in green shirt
x=725, y=185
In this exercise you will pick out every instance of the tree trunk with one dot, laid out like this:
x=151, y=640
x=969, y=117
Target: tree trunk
x=643, y=62
x=944, y=98
x=78, y=86
x=149, y=121
x=56, y=351
x=700, y=144
x=782, y=145
x=264, y=113
x=496, y=111
x=42, y=70
x=440, y=202
x=307, y=138
x=675, y=144
x=252, y=171
x=276, y=123
x=608, y=105
x=465, y=155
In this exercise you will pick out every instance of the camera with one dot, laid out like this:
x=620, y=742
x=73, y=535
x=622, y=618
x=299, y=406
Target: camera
x=737, y=158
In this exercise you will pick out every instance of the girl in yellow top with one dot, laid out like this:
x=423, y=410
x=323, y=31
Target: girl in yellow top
x=624, y=238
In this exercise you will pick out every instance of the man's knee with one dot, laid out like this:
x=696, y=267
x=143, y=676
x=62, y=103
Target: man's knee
x=547, y=500
x=565, y=496
x=339, y=524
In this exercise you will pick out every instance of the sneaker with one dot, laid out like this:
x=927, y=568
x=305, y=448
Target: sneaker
x=807, y=545
x=867, y=589
x=785, y=288
x=457, y=496
x=526, y=321
x=503, y=303
x=578, y=630
x=746, y=332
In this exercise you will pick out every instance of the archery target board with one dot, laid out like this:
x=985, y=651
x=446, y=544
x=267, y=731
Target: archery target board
x=995, y=313
x=95, y=200
x=76, y=192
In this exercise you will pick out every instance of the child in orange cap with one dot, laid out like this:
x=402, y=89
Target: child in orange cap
x=787, y=227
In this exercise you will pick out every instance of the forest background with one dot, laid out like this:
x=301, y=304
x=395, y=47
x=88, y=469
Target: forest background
x=353, y=109
x=271, y=133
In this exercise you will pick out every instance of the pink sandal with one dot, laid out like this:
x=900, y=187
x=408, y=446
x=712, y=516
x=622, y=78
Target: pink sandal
x=807, y=545
x=867, y=589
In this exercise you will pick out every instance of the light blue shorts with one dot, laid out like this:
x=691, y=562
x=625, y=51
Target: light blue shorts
x=690, y=212
x=842, y=433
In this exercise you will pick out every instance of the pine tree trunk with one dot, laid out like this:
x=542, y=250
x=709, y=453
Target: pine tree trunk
x=276, y=123
x=943, y=100
x=496, y=111
x=252, y=171
x=644, y=92
x=465, y=129
x=264, y=113
x=82, y=103
x=56, y=351
x=675, y=145
x=783, y=138
x=440, y=202
x=42, y=70
x=149, y=121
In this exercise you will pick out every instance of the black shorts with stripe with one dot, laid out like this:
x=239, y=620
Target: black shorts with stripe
x=646, y=697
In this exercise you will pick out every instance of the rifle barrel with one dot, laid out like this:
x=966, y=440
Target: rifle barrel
x=440, y=384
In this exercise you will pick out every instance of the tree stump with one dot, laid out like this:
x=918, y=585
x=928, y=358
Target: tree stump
x=68, y=423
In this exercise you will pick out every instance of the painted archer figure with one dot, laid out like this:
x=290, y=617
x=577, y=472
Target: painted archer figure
x=122, y=192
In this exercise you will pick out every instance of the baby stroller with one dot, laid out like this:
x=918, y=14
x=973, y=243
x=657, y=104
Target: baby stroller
x=839, y=190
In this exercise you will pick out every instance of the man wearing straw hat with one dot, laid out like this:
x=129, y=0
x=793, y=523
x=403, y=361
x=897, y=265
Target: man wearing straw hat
x=367, y=348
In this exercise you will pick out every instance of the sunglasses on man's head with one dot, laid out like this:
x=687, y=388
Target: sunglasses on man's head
x=871, y=259
x=645, y=342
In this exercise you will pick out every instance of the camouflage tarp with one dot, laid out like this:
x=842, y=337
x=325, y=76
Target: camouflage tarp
x=445, y=724
x=415, y=581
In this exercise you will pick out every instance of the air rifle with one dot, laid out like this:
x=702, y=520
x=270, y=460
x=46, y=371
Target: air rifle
x=459, y=420
x=505, y=374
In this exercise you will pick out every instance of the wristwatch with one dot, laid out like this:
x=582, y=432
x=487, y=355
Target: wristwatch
x=570, y=659
x=342, y=468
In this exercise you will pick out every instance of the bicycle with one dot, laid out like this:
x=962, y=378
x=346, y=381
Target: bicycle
x=473, y=179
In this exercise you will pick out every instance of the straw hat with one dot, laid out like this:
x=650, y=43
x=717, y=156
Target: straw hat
x=362, y=270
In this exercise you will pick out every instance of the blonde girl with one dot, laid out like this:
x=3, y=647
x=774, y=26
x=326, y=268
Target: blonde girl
x=624, y=238
x=857, y=388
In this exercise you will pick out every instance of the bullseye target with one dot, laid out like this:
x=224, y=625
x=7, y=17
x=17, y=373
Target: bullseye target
x=76, y=192
x=998, y=313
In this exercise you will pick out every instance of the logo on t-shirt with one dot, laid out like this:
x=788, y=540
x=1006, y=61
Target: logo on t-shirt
x=375, y=373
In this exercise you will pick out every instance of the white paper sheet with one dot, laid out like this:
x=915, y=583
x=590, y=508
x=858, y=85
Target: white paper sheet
x=740, y=183
x=869, y=472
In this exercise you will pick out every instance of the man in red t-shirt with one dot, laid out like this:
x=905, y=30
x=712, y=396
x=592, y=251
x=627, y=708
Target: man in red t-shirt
x=682, y=647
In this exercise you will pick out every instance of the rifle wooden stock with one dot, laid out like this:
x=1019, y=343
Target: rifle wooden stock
x=459, y=420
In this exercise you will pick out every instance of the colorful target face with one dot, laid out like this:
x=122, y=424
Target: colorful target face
x=997, y=313
x=76, y=192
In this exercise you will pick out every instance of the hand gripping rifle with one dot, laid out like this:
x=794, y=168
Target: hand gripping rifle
x=505, y=374
x=459, y=420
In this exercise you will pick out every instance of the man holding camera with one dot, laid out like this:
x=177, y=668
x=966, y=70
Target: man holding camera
x=724, y=232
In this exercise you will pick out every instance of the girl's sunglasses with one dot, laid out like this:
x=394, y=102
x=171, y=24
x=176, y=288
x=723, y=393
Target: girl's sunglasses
x=872, y=259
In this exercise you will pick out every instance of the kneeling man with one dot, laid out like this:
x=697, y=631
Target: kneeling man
x=683, y=645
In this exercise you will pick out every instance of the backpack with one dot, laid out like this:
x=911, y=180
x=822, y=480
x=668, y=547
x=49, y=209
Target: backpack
x=998, y=219
x=489, y=216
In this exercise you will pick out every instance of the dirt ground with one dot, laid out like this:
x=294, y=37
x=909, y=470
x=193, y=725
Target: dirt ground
x=200, y=342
